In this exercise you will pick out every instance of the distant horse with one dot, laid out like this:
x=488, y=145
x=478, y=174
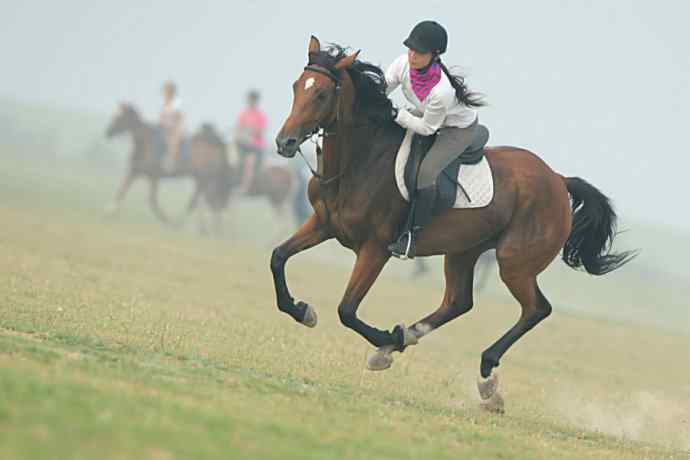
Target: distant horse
x=273, y=181
x=356, y=200
x=206, y=163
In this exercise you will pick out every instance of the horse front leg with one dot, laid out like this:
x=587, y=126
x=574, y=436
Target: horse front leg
x=194, y=199
x=192, y=204
x=309, y=235
x=113, y=208
x=153, y=202
x=371, y=259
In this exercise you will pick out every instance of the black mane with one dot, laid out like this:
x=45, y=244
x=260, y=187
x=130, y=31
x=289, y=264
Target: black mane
x=368, y=79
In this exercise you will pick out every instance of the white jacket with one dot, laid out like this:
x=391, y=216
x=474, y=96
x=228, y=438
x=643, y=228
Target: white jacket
x=439, y=109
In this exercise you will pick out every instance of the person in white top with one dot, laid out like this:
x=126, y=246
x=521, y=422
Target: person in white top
x=441, y=106
x=171, y=121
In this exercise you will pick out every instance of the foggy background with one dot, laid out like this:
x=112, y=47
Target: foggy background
x=597, y=89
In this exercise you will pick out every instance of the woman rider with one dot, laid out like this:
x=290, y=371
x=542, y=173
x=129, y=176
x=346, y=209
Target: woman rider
x=171, y=120
x=249, y=134
x=442, y=105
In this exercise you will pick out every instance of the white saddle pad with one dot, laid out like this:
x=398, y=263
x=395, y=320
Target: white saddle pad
x=477, y=179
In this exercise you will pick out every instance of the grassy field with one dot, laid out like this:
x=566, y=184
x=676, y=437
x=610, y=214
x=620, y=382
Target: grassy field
x=121, y=339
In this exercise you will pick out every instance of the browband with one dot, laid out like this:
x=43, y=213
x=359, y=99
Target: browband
x=323, y=71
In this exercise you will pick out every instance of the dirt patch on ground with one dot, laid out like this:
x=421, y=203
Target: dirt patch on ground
x=641, y=416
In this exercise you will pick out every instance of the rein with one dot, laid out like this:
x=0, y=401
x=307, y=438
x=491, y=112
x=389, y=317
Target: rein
x=320, y=177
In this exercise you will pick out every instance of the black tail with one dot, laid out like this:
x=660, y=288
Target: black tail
x=594, y=228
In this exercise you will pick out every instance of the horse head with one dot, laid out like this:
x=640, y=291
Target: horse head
x=125, y=120
x=315, y=98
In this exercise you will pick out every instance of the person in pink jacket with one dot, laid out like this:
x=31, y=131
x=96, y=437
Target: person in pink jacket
x=250, y=129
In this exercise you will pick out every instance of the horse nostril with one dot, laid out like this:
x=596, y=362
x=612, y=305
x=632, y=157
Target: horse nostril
x=286, y=144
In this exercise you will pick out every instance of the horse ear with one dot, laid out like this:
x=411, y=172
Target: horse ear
x=346, y=62
x=314, y=45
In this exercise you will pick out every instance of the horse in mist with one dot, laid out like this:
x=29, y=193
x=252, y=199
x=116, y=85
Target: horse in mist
x=530, y=220
x=205, y=162
x=276, y=183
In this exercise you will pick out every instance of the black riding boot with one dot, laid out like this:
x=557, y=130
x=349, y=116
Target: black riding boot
x=421, y=212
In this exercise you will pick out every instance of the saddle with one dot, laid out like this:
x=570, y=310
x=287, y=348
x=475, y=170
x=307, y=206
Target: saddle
x=447, y=183
x=160, y=146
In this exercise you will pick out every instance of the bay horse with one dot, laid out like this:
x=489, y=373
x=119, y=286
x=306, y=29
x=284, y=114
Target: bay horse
x=355, y=199
x=207, y=164
x=276, y=183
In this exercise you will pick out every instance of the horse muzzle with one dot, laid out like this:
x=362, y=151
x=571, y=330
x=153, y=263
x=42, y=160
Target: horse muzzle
x=287, y=146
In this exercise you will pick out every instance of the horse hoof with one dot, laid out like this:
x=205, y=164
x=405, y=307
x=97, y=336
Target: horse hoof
x=381, y=360
x=310, y=319
x=494, y=404
x=487, y=387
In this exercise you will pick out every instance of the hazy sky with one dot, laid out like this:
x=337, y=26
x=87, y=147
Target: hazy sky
x=598, y=89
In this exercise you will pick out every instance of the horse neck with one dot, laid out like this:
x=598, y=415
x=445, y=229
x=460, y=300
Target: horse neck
x=359, y=155
x=141, y=134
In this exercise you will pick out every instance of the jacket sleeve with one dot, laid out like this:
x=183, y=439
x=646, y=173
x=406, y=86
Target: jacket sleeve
x=394, y=74
x=433, y=117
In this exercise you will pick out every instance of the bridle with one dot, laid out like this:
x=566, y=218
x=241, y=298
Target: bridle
x=327, y=130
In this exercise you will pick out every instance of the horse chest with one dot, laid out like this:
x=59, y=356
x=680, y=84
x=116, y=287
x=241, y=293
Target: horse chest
x=347, y=224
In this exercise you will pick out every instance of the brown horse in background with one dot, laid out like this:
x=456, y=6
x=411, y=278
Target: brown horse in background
x=207, y=165
x=356, y=200
x=276, y=183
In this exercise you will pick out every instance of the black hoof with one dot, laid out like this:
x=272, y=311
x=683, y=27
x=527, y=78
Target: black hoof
x=486, y=366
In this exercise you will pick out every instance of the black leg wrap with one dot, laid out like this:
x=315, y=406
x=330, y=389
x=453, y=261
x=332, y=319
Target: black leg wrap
x=398, y=336
x=347, y=318
x=300, y=310
x=487, y=365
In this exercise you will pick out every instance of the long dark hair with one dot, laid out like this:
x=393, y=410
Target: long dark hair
x=368, y=79
x=464, y=95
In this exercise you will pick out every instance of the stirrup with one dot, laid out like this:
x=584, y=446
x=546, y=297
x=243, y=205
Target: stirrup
x=405, y=255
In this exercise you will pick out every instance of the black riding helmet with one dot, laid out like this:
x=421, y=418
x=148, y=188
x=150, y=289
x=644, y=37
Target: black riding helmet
x=428, y=37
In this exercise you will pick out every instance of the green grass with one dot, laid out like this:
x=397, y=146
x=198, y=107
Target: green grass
x=120, y=339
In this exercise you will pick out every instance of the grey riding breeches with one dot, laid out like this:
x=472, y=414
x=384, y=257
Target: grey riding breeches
x=450, y=142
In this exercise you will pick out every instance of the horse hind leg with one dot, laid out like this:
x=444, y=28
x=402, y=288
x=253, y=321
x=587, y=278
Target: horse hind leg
x=213, y=204
x=535, y=308
x=535, y=236
x=457, y=300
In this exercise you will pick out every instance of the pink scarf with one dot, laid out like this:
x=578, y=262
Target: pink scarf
x=424, y=82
